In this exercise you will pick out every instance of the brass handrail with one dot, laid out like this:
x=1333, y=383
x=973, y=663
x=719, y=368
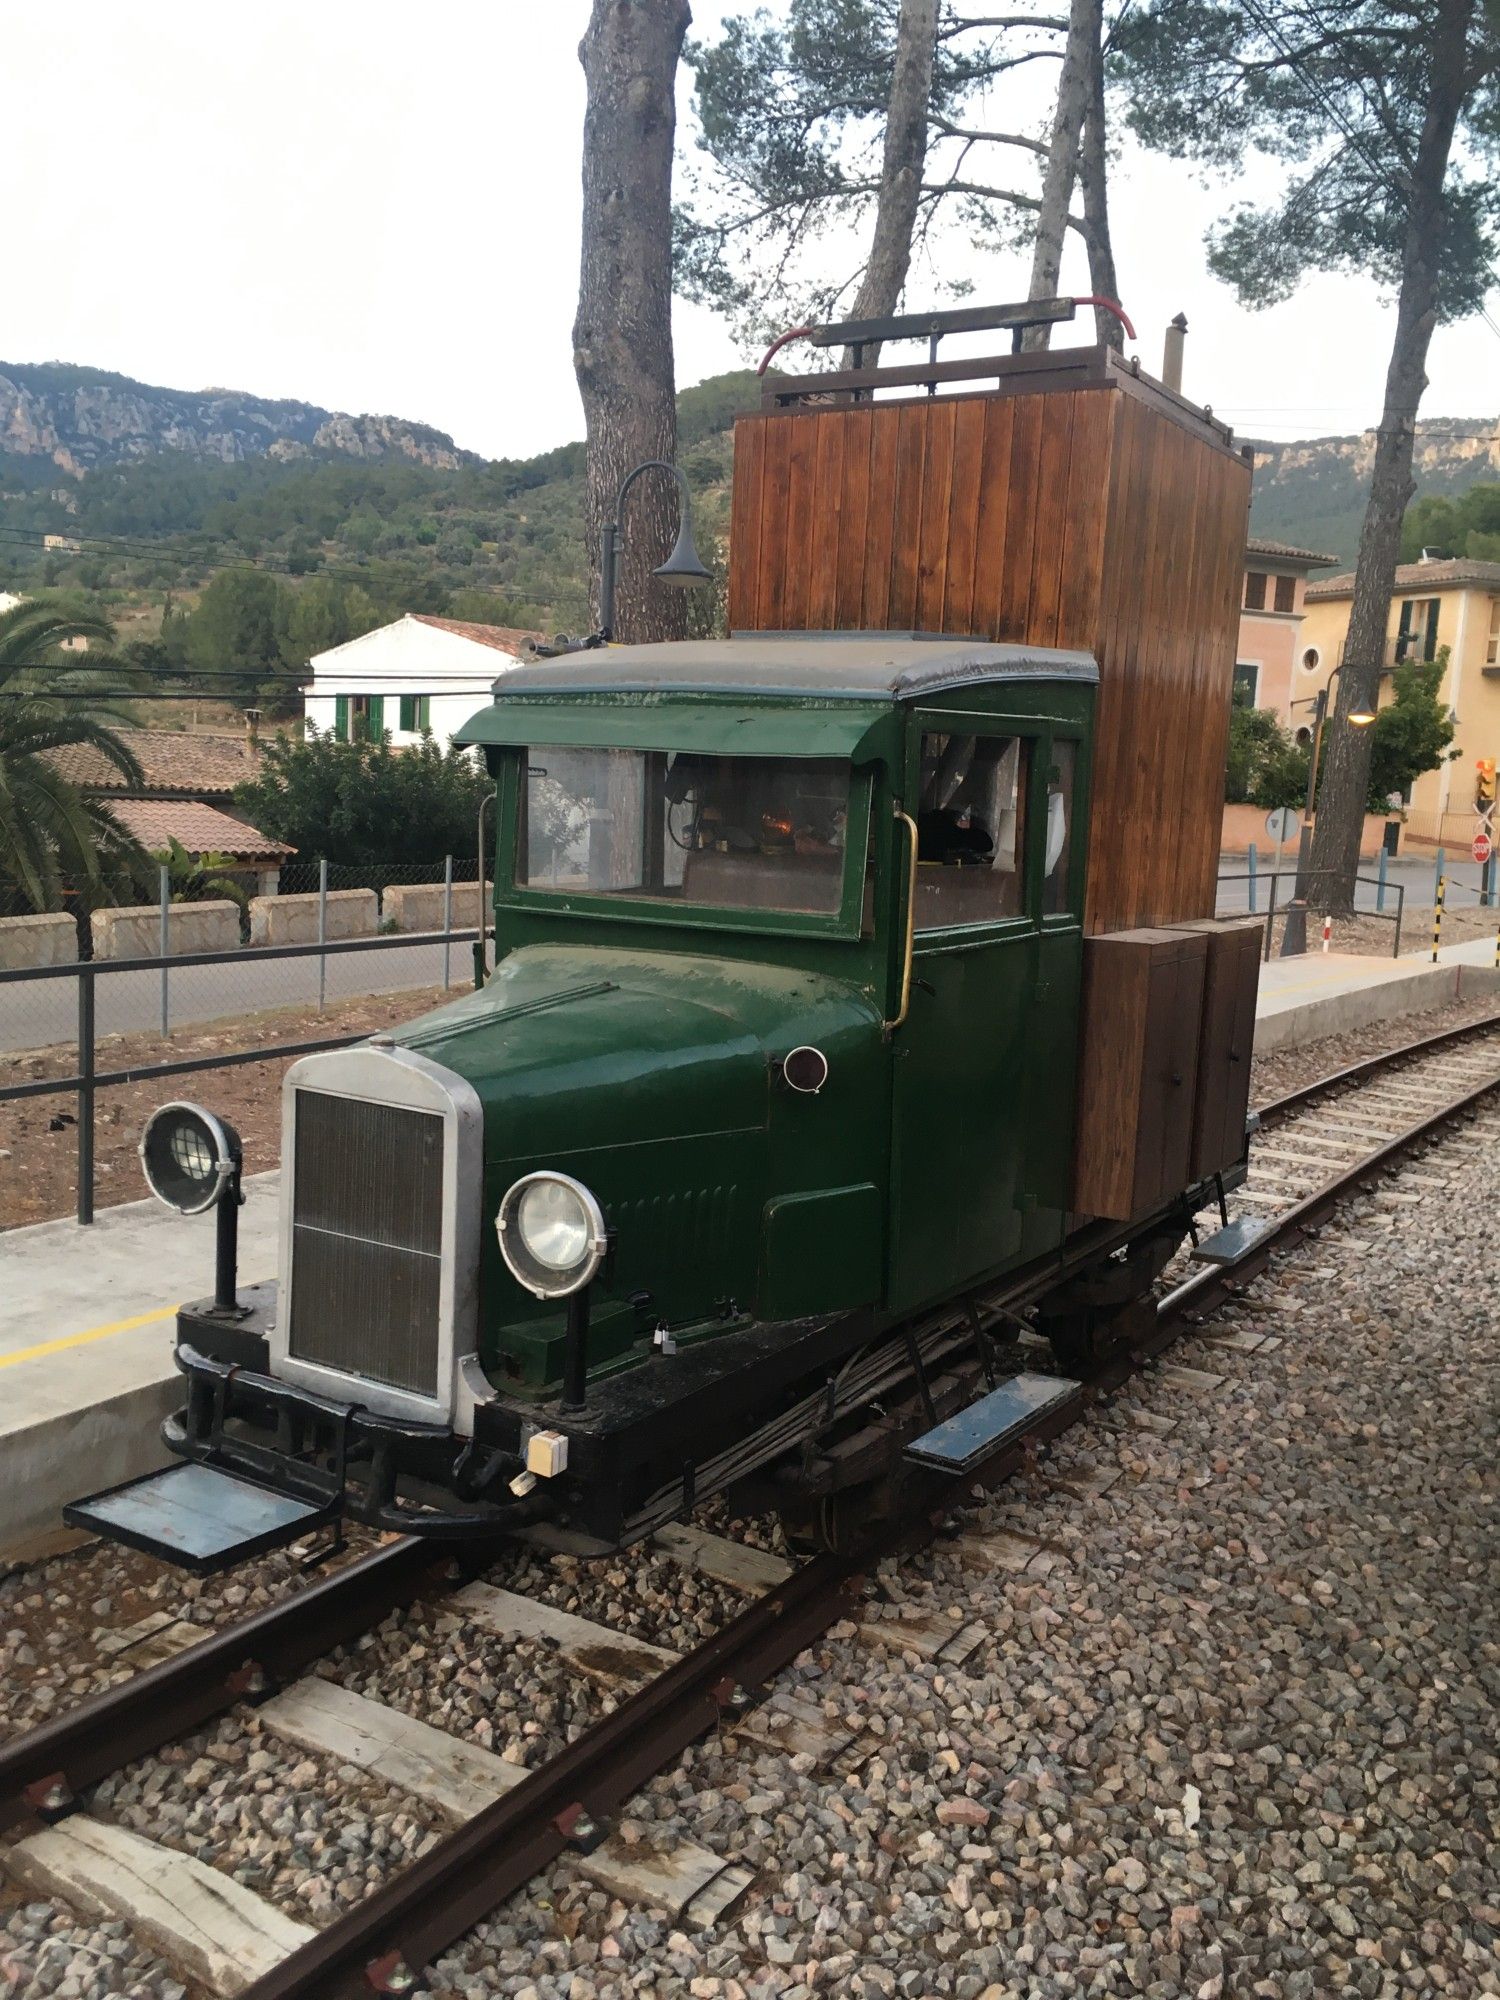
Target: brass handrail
x=911, y=922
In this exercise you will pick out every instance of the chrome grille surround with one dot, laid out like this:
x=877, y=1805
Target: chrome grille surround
x=382, y=1171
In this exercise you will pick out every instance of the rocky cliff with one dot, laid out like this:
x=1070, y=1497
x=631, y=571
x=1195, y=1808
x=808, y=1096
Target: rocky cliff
x=81, y=418
x=1313, y=492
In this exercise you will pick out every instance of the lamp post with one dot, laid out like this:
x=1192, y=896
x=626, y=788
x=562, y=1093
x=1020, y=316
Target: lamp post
x=682, y=567
x=1294, y=933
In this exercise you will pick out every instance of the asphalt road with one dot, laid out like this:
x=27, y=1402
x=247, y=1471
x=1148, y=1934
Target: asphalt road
x=41, y=1013
x=1416, y=874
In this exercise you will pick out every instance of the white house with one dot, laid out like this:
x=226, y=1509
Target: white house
x=417, y=676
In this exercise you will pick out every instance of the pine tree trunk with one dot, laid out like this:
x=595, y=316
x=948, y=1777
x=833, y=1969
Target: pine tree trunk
x=1345, y=781
x=622, y=336
x=1093, y=172
x=901, y=169
x=1085, y=26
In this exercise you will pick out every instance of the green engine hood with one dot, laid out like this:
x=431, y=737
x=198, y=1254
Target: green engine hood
x=650, y=1076
x=580, y=1047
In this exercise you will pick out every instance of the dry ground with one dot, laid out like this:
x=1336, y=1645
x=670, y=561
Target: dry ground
x=39, y=1135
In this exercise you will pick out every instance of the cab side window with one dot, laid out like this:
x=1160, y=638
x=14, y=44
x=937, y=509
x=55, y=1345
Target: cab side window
x=971, y=830
x=1058, y=859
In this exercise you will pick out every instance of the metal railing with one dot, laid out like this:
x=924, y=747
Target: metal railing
x=1271, y=880
x=87, y=973
x=1398, y=650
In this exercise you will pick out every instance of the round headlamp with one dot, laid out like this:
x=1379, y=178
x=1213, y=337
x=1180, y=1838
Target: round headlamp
x=189, y=1157
x=552, y=1234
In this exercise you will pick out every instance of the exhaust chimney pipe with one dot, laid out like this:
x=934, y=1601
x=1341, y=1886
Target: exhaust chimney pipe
x=1171, y=354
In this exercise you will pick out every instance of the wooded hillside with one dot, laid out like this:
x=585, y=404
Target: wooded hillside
x=498, y=539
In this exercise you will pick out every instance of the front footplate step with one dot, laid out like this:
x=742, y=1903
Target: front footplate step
x=1229, y=1244
x=199, y=1518
x=961, y=1441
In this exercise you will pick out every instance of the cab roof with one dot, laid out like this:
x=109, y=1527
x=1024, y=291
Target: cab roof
x=877, y=666
x=766, y=693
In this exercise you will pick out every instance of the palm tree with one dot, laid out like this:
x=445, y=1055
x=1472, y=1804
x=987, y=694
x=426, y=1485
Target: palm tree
x=50, y=834
x=202, y=877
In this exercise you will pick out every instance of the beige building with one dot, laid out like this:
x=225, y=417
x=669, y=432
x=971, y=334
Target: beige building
x=1437, y=602
x=1271, y=649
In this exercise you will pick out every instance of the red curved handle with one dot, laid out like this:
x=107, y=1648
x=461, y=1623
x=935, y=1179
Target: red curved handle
x=797, y=333
x=1109, y=305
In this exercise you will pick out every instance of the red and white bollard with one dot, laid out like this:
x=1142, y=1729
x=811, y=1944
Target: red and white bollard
x=1327, y=931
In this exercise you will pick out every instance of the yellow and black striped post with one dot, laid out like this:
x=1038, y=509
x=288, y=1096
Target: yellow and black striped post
x=1437, y=916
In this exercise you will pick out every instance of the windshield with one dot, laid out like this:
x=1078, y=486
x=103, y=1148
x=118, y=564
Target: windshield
x=739, y=833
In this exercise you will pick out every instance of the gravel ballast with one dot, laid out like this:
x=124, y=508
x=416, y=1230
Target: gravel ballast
x=1231, y=1734
x=1238, y=1742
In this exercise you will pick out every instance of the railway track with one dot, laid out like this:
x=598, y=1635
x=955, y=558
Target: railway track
x=1317, y=1145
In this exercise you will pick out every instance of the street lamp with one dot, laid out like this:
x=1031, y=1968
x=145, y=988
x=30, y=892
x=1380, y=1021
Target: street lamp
x=1294, y=934
x=682, y=567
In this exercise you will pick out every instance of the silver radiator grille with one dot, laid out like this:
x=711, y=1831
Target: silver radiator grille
x=367, y=1232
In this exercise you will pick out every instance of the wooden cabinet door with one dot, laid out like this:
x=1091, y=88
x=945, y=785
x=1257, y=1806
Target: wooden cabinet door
x=1222, y=1092
x=1138, y=1066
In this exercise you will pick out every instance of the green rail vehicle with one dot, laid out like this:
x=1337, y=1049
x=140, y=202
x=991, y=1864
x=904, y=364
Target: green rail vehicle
x=855, y=1003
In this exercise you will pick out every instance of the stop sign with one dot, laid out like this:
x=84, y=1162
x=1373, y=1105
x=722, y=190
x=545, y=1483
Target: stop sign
x=1483, y=847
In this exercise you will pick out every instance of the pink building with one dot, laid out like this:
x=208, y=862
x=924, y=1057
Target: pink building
x=1271, y=659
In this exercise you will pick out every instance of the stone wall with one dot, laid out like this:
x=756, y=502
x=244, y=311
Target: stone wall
x=418, y=906
x=294, y=919
x=26, y=941
x=135, y=930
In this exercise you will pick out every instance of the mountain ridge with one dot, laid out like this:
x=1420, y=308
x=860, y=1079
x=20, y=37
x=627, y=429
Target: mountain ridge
x=82, y=418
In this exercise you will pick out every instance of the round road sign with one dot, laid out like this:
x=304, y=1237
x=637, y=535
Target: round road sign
x=1483, y=847
x=1282, y=823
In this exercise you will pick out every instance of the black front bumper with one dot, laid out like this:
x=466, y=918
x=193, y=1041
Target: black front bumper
x=389, y=1473
x=642, y=1429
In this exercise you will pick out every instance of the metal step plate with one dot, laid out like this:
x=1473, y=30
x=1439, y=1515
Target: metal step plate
x=961, y=1440
x=201, y=1519
x=1226, y=1245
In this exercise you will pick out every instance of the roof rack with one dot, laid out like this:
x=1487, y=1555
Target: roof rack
x=858, y=334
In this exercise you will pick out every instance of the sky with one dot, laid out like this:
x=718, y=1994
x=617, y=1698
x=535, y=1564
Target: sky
x=375, y=207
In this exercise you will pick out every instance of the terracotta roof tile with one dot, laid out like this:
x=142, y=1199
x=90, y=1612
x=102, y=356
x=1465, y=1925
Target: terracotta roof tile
x=1287, y=551
x=504, y=638
x=1452, y=573
x=171, y=760
x=201, y=829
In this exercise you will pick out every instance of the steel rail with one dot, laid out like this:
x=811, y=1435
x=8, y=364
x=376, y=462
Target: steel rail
x=1372, y=1065
x=42, y=1771
x=381, y=1945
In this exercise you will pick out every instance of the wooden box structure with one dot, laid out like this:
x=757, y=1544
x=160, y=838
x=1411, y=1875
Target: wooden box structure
x=1226, y=1042
x=1138, y=1069
x=1070, y=502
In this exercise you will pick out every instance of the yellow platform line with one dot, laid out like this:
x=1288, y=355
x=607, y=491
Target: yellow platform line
x=46, y=1347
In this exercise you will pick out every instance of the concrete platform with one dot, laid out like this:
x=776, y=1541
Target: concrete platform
x=86, y=1370
x=1304, y=999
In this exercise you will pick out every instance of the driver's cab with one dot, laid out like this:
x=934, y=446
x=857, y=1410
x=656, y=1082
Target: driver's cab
x=901, y=817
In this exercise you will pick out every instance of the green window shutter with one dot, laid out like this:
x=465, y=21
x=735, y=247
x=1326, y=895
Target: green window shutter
x=408, y=711
x=424, y=711
x=376, y=718
x=341, y=717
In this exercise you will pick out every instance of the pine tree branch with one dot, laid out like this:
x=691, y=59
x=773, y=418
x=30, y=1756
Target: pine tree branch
x=972, y=23
x=951, y=131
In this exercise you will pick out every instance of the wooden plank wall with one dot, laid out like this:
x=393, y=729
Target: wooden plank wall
x=1085, y=517
x=1168, y=618
x=972, y=514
